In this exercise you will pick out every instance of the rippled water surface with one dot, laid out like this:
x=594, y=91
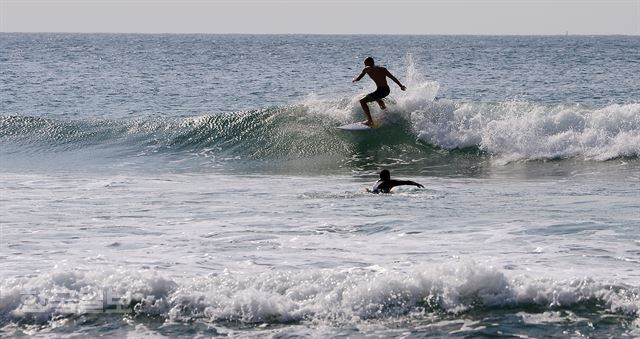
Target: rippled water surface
x=196, y=185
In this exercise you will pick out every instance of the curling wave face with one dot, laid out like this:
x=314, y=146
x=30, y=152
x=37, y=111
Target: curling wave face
x=416, y=127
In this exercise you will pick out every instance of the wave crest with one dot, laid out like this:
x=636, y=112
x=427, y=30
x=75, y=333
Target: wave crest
x=527, y=131
x=414, y=127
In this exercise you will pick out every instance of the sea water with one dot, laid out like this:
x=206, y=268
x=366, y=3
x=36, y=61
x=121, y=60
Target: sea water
x=196, y=186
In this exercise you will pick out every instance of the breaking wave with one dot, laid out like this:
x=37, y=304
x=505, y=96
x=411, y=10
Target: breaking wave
x=415, y=125
x=330, y=296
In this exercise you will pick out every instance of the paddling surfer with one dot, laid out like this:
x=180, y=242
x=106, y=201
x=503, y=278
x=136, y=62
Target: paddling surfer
x=385, y=184
x=379, y=75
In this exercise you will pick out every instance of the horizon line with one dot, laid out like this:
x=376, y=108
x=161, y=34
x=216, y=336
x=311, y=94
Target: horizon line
x=325, y=34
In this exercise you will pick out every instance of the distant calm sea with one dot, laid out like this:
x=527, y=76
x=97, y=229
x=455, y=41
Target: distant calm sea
x=196, y=186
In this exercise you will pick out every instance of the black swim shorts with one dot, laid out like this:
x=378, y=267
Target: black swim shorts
x=379, y=93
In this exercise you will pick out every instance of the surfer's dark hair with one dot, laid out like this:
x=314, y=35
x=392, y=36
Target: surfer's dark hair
x=385, y=175
x=368, y=61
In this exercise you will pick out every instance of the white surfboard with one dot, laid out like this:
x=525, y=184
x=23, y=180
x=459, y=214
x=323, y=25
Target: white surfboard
x=357, y=126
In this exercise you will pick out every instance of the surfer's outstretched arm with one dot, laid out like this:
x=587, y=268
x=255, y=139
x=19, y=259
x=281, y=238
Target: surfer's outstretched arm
x=405, y=182
x=364, y=71
x=385, y=184
x=402, y=87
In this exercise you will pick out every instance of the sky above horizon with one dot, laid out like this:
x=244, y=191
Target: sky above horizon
x=522, y=17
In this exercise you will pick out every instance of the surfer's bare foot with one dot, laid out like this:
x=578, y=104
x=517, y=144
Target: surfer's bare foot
x=368, y=122
x=382, y=105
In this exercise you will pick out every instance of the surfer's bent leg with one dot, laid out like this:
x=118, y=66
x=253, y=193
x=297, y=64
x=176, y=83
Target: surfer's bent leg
x=376, y=96
x=365, y=108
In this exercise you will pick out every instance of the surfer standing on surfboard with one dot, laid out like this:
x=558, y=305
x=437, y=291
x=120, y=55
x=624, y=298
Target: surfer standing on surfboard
x=379, y=75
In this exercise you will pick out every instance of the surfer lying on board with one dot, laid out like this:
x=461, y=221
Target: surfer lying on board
x=385, y=184
x=379, y=75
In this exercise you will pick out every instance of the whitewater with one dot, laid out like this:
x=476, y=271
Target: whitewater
x=197, y=186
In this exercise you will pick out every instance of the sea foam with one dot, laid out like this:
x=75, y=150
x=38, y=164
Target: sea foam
x=331, y=295
x=513, y=129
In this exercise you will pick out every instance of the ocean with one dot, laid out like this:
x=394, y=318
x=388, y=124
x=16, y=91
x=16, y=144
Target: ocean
x=196, y=186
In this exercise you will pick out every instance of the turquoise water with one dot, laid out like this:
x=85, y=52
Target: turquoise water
x=196, y=185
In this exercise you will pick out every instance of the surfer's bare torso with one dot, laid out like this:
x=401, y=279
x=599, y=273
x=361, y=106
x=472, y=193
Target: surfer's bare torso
x=378, y=74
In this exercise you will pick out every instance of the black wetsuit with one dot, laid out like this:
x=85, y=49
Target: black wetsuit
x=384, y=186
